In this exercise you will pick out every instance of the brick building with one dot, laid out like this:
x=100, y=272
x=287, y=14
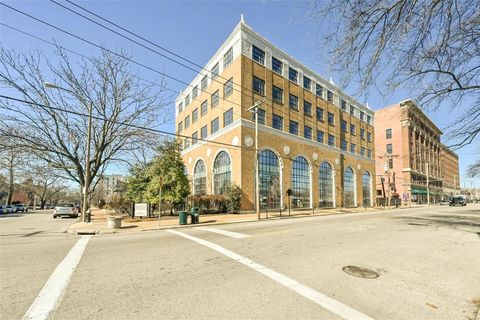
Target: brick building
x=450, y=172
x=411, y=148
x=313, y=138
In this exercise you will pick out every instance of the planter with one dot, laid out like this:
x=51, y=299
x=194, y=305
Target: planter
x=114, y=222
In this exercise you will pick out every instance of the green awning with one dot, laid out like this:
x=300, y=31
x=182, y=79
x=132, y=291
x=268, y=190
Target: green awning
x=418, y=191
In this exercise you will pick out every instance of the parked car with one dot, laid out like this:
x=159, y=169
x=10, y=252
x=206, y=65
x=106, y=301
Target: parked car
x=458, y=201
x=2, y=210
x=10, y=209
x=21, y=207
x=65, y=210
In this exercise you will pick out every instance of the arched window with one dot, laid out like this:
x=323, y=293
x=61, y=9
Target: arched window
x=222, y=173
x=269, y=176
x=348, y=187
x=325, y=185
x=199, y=178
x=300, y=183
x=366, y=189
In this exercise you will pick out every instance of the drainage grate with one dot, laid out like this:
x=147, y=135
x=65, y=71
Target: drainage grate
x=360, y=272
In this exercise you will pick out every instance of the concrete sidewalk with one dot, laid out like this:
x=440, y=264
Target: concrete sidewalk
x=98, y=225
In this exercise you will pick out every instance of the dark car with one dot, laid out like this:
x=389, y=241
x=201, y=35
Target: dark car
x=457, y=201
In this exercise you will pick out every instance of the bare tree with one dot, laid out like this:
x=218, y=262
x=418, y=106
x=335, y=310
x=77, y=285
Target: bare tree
x=43, y=182
x=429, y=47
x=11, y=163
x=122, y=105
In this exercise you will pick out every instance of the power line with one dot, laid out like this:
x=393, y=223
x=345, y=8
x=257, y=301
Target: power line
x=123, y=123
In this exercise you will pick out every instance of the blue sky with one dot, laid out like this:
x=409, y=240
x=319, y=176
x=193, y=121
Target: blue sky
x=195, y=30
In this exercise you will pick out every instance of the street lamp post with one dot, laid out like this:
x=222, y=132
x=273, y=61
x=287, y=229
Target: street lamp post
x=86, y=187
x=254, y=110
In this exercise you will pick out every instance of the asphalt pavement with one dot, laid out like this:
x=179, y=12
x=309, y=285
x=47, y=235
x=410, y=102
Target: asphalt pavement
x=402, y=264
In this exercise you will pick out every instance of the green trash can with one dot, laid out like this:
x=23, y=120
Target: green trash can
x=182, y=217
x=194, y=212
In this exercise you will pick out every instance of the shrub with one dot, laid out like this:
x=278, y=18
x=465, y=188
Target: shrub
x=233, y=198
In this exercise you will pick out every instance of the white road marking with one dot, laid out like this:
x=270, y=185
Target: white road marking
x=235, y=235
x=324, y=301
x=48, y=299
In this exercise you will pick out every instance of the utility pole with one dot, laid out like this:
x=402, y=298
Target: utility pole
x=428, y=182
x=254, y=110
x=160, y=202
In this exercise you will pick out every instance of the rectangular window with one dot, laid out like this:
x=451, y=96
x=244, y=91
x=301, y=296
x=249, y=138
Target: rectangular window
x=227, y=58
x=353, y=129
x=204, y=108
x=204, y=132
x=277, y=94
x=292, y=75
x=258, y=55
x=187, y=143
x=261, y=116
x=307, y=83
x=187, y=122
x=369, y=119
x=319, y=90
x=277, y=65
x=195, y=115
x=320, y=136
x=388, y=134
x=353, y=148
x=343, y=104
x=228, y=117
x=389, y=148
x=362, y=115
x=204, y=83
x=215, y=99
x=307, y=132
x=362, y=151
x=258, y=86
x=187, y=100
x=319, y=114
x=352, y=110
x=369, y=136
x=370, y=153
x=228, y=88
x=293, y=102
x=277, y=122
x=293, y=128
x=194, y=137
x=343, y=145
x=180, y=127
x=215, y=71
x=180, y=107
x=307, y=108
x=362, y=133
x=329, y=96
x=344, y=126
x=194, y=92
x=214, y=125
x=331, y=119
x=331, y=140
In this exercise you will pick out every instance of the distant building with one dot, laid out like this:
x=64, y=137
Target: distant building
x=314, y=139
x=110, y=184
x=450, y=172
x=408, y=151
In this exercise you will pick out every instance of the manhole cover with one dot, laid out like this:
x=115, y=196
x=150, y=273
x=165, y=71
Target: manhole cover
x=360, y=272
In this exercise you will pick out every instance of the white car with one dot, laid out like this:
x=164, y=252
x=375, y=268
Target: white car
x=65, y=210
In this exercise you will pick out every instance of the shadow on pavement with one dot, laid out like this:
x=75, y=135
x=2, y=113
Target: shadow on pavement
x=12, y=215
x=461, y=221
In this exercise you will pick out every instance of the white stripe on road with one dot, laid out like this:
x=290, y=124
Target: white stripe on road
x=52, y=292
x=324, y=301
x=235, y=235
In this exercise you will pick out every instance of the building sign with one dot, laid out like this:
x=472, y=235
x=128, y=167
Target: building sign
x=141, y=209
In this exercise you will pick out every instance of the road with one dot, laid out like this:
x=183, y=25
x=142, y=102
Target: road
x=427, y=261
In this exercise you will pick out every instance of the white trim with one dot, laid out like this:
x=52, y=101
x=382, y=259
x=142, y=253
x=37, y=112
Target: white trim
x=281, y=166
x=334, y=187
x=311, y=174
x=299, y=139
x=193, y=173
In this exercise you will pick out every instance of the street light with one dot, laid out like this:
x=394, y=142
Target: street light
x=86, y=188
x=254, y=110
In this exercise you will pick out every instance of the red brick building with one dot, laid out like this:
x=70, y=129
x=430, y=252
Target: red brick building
x=408, y=151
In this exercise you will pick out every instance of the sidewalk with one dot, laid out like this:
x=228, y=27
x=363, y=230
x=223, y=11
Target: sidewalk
x=98, y=225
